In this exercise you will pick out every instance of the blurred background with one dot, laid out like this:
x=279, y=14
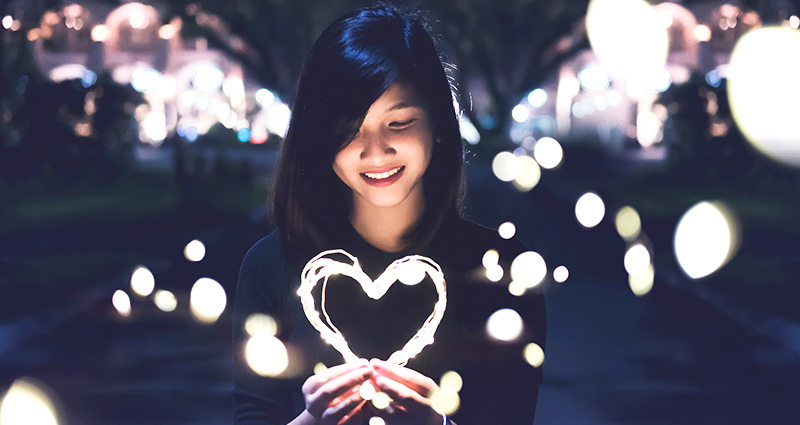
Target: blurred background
x=647, y=152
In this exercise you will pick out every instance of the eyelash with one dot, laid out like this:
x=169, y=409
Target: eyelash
x=401, y=125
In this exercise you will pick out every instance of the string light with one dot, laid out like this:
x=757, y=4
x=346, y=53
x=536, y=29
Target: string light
x=322, y=267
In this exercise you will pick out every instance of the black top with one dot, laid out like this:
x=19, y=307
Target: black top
x=499, y=386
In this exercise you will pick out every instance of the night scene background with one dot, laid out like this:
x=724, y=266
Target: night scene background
x=648, y=152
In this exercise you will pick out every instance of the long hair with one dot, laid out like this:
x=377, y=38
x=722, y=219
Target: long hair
x=351, y=65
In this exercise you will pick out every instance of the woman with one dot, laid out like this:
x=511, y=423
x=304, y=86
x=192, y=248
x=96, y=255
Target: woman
x=372, y=165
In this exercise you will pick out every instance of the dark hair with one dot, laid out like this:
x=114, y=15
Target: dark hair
x=351, y=65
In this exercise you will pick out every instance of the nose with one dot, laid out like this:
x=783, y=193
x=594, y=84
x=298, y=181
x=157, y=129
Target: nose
x=375, y=145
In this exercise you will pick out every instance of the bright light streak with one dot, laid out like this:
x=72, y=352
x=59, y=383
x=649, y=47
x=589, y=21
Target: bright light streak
x=145, y=79
x=706, y=238
x=259, y=323
x=490, y=258
x=637, y=259
x=628, y=223
x=628, y=36
x=451, y=379
x=533, y=354
x=506, y=166
x=494, y=273
x=529, y=174
x=590, y=209
x=121, y=302
x=99, y=33
x=642, y=283
x=507, y=230
x=165, y=300
x=265, y=98
x=208, y=78
x=548, y=152
x=207, y=300
x=528, y=269
x=520, y=113
x=27, y=403
x=445, y=401
x=763, y=88
x=504, y=325
x=266, y=355
x=410, y=273
x=142, y=281
x=537, y=98
x=468, y=130
x=561, y=274
x=593, y=78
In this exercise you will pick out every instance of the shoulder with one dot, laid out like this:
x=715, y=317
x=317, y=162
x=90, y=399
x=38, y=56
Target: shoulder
x=266, y=263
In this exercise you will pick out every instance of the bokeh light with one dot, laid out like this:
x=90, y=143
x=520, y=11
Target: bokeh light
x=590, y=209
x=628, y=223
x=165, y=300
x=533, y=354
x=319, y=368
x=208, y=78
x=561, y=274
x=410, y=273
x=260, y=323
x=207, y=300
x=706, y=238
x=537, y=98
x=27, y=403
x=520, y=113
x=445, y=401
x=381, y=401
x=121, y=302
x=99, y=33
x=490, y=258
x=451, y=379
x=529, y=174
x=367, y=391
x=637, y=259
x=265, y=98
x=763, y=90
x=507, y=230
x=528, y=269
x=377, y=420
x=266, y=355
x=702, y=33
x=505, y=166
x=494, y=273
x=548, y=152
x=142, y=281
x=516, y=288
x=145, y=80
x=593, y=78
x=194, y=251
x=642, y=283
x=504, y=325
x=628, y=37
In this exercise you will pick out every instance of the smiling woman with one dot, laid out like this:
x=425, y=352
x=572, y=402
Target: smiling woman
x=371, y=171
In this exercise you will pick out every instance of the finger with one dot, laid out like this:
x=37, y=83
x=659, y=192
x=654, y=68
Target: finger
x=335, y=413
x=400, y=394
x=336, y=387
x=319, y=379
x=356, y=416
x=408, y=377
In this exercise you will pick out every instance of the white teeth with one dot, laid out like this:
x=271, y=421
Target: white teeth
x=384, y=175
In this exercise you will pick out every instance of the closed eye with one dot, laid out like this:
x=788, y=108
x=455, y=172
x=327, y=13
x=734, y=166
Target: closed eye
x=398, y=125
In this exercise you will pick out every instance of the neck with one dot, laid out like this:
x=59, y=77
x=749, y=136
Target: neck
x=384, y=227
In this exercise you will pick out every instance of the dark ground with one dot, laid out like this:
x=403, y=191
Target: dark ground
x=724, y=350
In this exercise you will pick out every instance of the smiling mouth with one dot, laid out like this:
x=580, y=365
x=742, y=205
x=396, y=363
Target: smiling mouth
x=383, y=175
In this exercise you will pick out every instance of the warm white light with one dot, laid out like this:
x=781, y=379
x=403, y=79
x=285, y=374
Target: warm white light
x=637, y=259
x=537, y=98
x=490, y=258
x=658, y=81
x=529, y=174
x=505, y=166
x=516, y=288
x=533, y=354
x=410, y=273
x=266, y=355
x=153, y=127
x=445, y=401
x=628, y=223
x=265, y=98
x=138, y=20
x=194, y=251
x=121, y=302
x=705, y=239
x=528, y=269
x=377, y=420
x=165, y=300
x=548, y=152
x=27, y=403
x=504, y=325
x=590, y=209
x=142, y=281
x=319, y=368
x=167, y=31
x=367, y=391
x=278, y=119
x=72, y=71
x=8, y=20
x=507, y=230
x=259, y=323
x=702, y=33
x=763, y=88
x=208, y=78
x=381, y=401
x=520, y=113
x=648, y=128
x=494, y=273
x=145, y=79
x=642, y=283
x=593, y=78
x=99, y=33
x=628, y=36
x=468, y=130
x=451, y=379
x=207, y=300
x=561, y=274
x=794, y=22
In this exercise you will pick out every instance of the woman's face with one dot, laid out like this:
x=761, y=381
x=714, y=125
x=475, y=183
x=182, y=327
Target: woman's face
x=384, y=163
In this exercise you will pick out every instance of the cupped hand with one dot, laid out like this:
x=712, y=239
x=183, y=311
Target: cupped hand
x=332, y=396
x=410, y=392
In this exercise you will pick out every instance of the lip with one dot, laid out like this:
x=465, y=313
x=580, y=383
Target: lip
x=384, y=181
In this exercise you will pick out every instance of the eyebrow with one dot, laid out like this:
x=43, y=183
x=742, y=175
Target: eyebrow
x=404, y=105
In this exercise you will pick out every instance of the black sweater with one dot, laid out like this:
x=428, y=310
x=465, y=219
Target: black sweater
x=499, y=386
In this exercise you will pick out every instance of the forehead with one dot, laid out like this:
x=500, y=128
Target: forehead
x=398, y=96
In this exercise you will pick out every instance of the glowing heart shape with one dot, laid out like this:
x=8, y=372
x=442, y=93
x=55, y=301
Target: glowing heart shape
x=322, y=267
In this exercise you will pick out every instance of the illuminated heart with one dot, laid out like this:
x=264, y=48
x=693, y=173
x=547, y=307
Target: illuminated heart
x=411, y=268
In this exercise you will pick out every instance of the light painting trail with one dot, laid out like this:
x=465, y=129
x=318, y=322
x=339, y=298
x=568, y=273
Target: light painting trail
x=323, y=267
